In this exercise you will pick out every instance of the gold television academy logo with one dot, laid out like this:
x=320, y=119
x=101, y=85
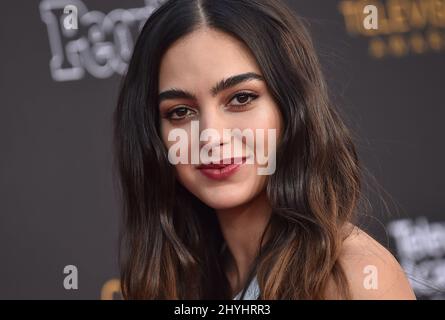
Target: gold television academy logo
x=404, y=26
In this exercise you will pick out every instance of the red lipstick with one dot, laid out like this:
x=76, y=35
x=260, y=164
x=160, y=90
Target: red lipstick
x=221, y=170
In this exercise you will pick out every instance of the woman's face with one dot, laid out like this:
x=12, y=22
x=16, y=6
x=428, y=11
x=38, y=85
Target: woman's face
x=197, y=64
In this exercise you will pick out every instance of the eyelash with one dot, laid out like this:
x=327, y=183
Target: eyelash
x=253, y=96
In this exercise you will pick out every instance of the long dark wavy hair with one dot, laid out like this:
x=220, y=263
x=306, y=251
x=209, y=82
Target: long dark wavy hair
x=171, y=243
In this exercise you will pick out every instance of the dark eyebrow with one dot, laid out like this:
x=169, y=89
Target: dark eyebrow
x=220, y=86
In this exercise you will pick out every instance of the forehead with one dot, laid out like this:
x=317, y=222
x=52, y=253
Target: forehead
x=202, y=58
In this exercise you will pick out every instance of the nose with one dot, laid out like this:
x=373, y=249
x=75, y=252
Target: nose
x=211, y=128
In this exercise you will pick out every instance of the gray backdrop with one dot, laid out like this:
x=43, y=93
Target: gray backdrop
x=58, y=89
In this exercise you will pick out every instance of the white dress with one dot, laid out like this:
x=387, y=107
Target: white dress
x=252, y=292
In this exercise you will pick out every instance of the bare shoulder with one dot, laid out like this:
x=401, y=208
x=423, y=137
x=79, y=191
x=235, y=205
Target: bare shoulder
x=371, y=270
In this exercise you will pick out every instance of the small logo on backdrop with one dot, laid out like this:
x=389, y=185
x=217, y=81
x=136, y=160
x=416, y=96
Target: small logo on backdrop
x=70, y=282
x=70, y=21
x=91, y=42
x=396, y=28
x=371, y=21
x=420, y=248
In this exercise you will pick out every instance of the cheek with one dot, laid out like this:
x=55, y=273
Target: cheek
x=266, y=115
x=166, y=128
x=266, y=123
x=184, y=173
x=273, y=122
x=269, y=117
x=179, y=139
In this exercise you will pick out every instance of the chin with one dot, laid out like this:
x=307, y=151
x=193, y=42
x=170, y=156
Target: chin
x=222, y=195
x=223, y=198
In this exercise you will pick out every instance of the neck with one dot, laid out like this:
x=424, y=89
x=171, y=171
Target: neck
x=242, y=228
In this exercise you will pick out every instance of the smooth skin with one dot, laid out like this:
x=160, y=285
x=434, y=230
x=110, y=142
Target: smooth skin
x=196, y=63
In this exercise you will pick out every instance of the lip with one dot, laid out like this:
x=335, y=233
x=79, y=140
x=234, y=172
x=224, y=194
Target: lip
x=221, y=171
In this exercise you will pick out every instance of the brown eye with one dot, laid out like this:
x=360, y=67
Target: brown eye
x=244, y=98
x=180, y=113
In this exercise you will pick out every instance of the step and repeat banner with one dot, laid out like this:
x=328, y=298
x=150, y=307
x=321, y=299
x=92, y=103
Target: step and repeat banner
x=59, y=213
